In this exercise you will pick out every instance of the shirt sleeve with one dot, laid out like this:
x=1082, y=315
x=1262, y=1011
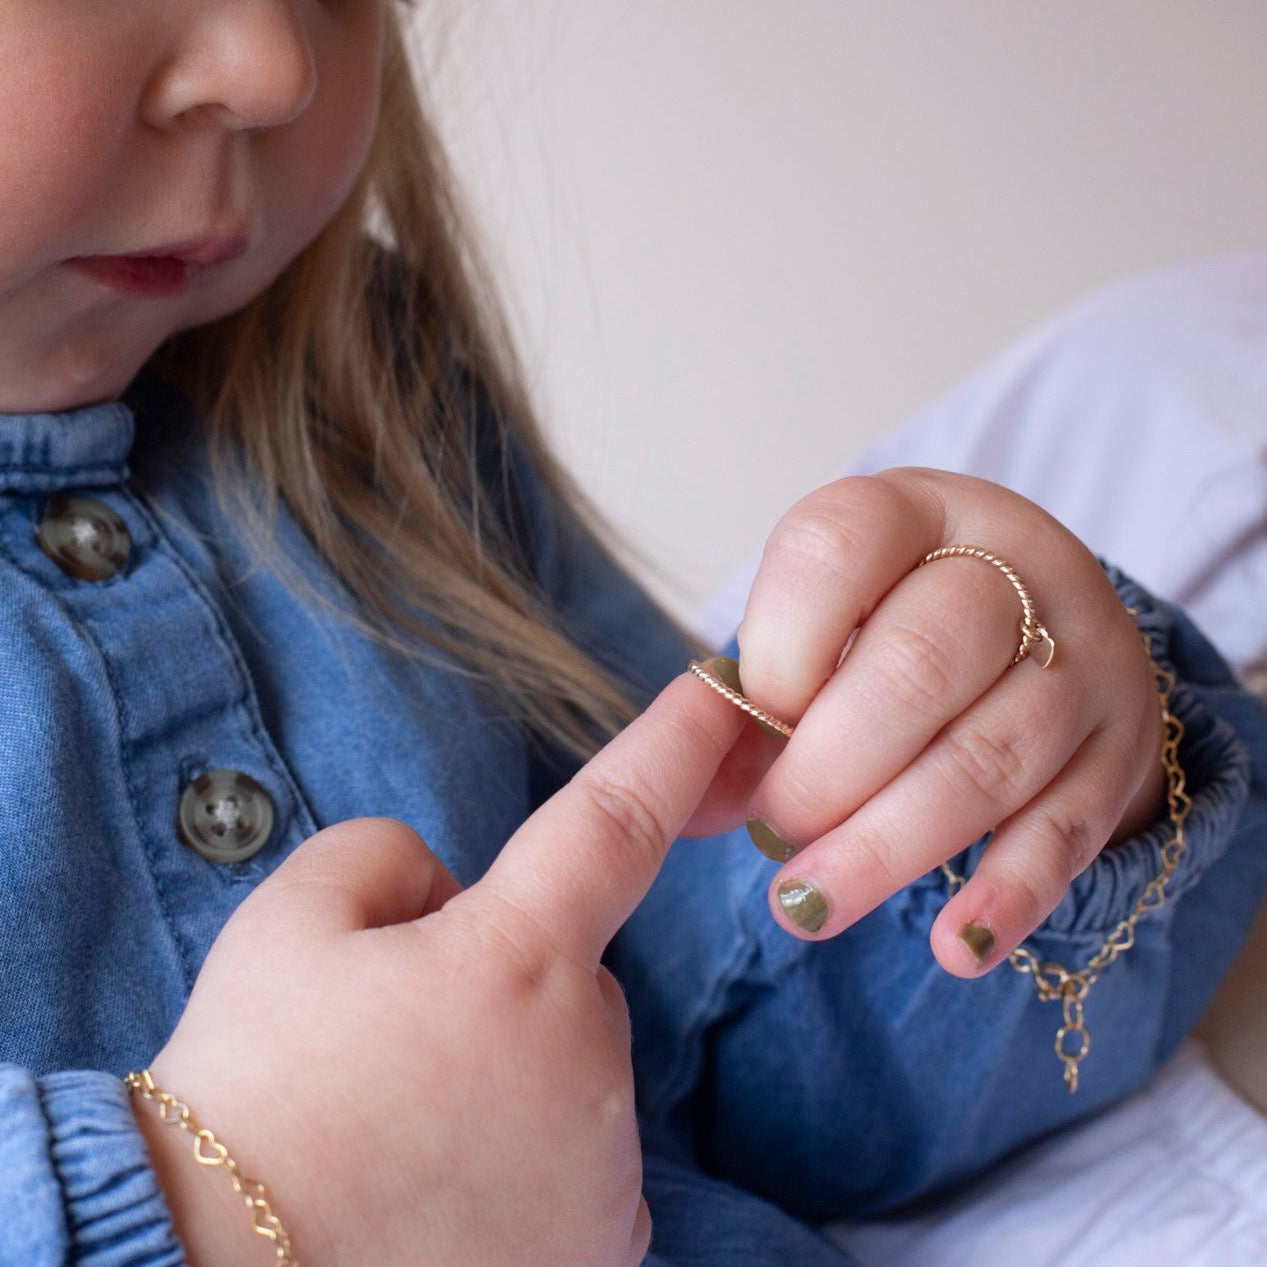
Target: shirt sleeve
x=76, y=1185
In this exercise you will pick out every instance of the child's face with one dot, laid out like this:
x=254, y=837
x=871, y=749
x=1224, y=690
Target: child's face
x=160, y=162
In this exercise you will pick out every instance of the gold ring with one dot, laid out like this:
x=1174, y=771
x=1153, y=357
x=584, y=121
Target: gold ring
x=738, y=699
x=1036, y=643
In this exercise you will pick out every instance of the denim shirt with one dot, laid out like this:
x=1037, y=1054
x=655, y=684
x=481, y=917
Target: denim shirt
x=779, y=1082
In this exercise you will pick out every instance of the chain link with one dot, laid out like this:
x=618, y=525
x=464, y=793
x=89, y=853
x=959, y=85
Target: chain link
x=209, y=1151
x=1053, y=981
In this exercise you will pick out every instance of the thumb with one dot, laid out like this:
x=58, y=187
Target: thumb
x=725, y=805
x=581, y=864
x=361, y=873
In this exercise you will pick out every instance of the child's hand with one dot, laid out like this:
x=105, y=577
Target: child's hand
x=923, y=738
x=424, y=1074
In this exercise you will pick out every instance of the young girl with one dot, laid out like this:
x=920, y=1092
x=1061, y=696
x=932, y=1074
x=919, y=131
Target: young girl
x=281, y=549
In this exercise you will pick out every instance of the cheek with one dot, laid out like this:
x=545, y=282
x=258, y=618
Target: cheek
x=58, y=144
x=340, y=159
x=322, y=161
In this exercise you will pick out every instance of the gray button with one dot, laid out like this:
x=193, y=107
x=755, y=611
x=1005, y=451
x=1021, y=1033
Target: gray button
x=84, y=537
x=225, y=816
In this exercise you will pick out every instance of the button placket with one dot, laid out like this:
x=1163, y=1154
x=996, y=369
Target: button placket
x=186, y=710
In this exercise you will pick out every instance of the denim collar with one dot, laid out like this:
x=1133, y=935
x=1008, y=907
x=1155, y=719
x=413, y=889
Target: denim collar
x=81, y=448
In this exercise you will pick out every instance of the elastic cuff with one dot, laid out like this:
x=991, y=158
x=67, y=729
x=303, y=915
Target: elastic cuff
x=33, y=1230
x=1217, y=773
x=1216, y=770
x=116, y=1211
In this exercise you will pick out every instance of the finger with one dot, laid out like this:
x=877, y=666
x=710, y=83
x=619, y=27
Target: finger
x=980, y=770
x=938, y=641
x=727, y=802
x=826, y=565
x=1034, y=856
x=640, y=1238
x=581, y=864
x=358, y=874
x=615, y=1007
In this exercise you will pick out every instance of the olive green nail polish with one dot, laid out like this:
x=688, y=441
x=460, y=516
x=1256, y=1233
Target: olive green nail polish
x=726, y=670
x=804, y=904
x=769, y=841
x=979, y=939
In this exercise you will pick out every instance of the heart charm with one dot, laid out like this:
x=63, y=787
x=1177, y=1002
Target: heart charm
x=208, y=1150
x=1043, y=649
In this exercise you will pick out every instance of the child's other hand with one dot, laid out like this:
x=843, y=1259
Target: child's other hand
x=421, y=1073
x=923, y=738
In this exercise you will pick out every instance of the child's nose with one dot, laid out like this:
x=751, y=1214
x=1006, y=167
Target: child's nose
x=239, y=64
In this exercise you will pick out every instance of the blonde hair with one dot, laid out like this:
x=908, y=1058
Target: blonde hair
x=359, y=411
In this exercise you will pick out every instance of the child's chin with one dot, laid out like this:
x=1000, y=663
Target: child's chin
x=77, y=373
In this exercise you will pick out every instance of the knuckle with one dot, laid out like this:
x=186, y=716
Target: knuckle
x=992, y=764
x=796, y=799
x=885, y=497
x=397, y=842
x=627, y=812
x=1078, y=837
x=690, y=734
x=812, y=539
x=874, y=855
x=519, y=942
x=346, y=845
x=916, y=671
x=1029, y=904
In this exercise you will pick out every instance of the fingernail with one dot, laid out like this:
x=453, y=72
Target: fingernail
x=804, y=904
x=726, y=670
x=979, y=939
x=769, y=841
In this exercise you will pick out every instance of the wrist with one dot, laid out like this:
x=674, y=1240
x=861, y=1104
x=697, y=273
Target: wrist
x=213, y=1221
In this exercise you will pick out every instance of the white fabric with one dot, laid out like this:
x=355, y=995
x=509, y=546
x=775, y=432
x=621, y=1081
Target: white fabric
x=1176, y=1176
x=1139, y=419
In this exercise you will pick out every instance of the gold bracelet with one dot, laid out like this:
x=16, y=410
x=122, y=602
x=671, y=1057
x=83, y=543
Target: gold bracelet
x=209, y=1151
x=1053, y=981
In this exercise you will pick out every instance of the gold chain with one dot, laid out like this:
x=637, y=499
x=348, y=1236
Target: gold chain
x=1053, y=981
x=210, y=1152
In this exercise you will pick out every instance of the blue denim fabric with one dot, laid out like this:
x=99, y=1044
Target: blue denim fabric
x=779, y=1081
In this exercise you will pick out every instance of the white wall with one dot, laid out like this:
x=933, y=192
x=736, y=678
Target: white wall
x=743, y=236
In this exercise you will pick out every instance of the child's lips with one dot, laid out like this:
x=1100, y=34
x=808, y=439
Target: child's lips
x=163, y=273
x=149, y=276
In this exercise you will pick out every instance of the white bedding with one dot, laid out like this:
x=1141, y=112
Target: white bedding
x=1176, y=1176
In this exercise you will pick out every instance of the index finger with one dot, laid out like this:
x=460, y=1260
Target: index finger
x=581, y=864
x=826, y=566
